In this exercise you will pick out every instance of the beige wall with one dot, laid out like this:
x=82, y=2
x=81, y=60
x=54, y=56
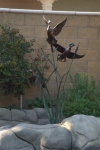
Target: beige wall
x=77, y=5
x=21, y=4
x=66, y=5
x=83, y=29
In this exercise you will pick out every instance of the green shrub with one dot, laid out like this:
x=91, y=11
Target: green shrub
x=13, y=106
x=34, y=103
x=83, y=97
x=14, y=75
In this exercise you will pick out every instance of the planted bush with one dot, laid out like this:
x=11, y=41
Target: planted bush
x=34, y=103
x=15, y=76
x=83, y=97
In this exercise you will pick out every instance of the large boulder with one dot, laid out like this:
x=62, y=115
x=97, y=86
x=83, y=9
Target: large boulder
x=9, y=141
x=85, y=131
x=79, y=132
x=44, y=137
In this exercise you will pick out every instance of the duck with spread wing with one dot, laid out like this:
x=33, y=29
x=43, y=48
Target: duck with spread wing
x=52, y=32
x=66, y=52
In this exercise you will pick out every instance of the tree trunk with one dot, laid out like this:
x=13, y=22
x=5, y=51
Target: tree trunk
x=20, y=102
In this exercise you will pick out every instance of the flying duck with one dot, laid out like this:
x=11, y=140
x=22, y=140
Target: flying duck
x=66, y=52
x=52, y=32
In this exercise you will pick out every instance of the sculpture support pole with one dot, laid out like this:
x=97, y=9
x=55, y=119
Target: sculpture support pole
x=47, y=4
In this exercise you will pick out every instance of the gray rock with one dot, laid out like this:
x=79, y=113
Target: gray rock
x=31, y=116
x=41, y=113
x=79, y=132
x=11, y=123
x=93, y=145
x=14, y=123
x=51, y=137
x=9, y=141
x=5, y=127
x=43, y=121
x=85, y=131
x=4, y=123
x=5, y=114
x=18, y=115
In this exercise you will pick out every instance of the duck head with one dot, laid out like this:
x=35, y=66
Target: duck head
x=71, y=45
x=49, y=22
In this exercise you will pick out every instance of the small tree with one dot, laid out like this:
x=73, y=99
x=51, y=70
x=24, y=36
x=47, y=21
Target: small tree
x=14, y=74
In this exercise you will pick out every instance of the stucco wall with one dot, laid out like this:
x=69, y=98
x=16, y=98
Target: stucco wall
x=20, y=4
x=83, y=29
x=77, y=5
x=64, y=5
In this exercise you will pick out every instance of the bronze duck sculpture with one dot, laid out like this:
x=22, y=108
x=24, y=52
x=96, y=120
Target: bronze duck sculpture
x=66, y=52
x=52, y=32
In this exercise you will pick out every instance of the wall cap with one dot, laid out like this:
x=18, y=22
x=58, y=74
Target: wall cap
x=10, y=10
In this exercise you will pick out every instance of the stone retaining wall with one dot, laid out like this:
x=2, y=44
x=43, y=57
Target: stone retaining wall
x=14, y=117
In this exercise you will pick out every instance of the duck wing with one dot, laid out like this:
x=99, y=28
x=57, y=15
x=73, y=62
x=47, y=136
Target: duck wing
x=57, y=29
x=72, y=55
x=59, y=48
x=45, y=20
